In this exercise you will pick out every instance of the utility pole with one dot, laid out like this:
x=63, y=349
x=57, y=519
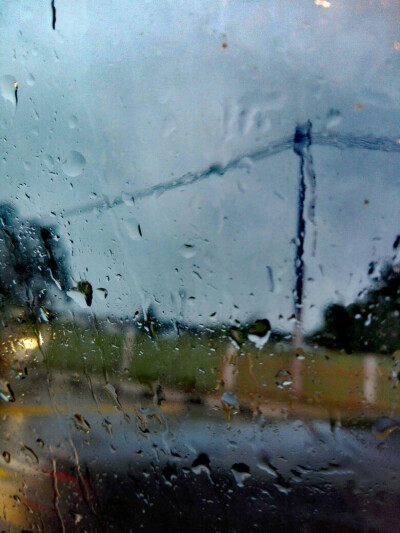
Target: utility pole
x=301, y=147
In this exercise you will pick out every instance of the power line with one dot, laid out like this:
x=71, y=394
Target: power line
x=333, y=140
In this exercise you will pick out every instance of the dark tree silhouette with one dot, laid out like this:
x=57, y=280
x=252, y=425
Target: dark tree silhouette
x=372, y=323
x=34, y=273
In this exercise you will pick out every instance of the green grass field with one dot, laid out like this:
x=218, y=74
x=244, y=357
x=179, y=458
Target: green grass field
x=206, y=363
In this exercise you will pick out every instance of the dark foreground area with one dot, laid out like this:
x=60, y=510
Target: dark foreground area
x=108, y=430
x=129, y=465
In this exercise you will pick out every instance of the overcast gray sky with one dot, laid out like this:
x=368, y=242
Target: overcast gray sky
x=125, y=95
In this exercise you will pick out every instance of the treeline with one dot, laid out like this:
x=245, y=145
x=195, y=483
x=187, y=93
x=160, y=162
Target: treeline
x=370, y=324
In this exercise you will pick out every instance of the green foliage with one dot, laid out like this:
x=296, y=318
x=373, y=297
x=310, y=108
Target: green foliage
x=370, y=324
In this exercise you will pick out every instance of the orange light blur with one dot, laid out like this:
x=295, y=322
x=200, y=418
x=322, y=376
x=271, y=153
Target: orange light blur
x=322, y=3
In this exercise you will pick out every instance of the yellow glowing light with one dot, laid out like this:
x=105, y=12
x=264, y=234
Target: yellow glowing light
x=322, y=3
x=15, y=85
x=30, y=343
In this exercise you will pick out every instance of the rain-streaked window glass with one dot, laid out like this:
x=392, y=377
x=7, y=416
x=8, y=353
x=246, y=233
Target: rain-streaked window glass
x=199, y=265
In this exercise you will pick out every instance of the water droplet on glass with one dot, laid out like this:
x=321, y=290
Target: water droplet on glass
x=86, y=289
x=128, y=199
x=48, y=161
x=236, y=336
x=333, y=119
x=383, y=427
x=240, y=472
x=107, y=426
x=76, y=517
x=283, y=487
x=201, y=464
x=29, y=453
x=230, y=404
x=6, y=457
x=230, y=399
x=111, y=391
x=159, y=395
x=77, y=297
x=133, y=229
x=270, y=276
x=6, y=392
x=284, y=383
x=101, y=293
x=74, y=165
x=81, y=423
x=8, y=85
x=243, y=185
x=19, y=371
x=169, y=474
x=259, y=333
x=187, y=251
x=266, y=466
x=284, y=379
x=30, y=80
x=72, y=122
x=246, y=164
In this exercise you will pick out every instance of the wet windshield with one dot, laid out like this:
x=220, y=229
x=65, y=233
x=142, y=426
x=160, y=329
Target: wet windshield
x=199, y=265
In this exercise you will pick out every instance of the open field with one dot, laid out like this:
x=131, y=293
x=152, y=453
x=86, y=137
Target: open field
x=206, y=364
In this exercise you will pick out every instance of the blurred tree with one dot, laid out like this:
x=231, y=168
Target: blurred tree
x=372, y=323
x=34, y=273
